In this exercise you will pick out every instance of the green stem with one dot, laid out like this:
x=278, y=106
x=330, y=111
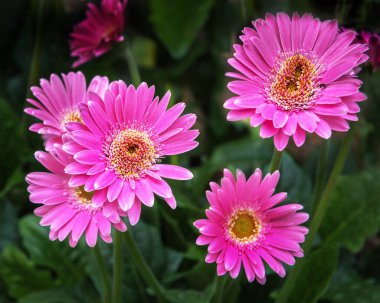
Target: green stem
x=321, y=174
x=117, y=267
x=144, y=269
x=105, y=277
x=35, y=62
x=133, y=68
x=318, y=216
x=276, y=160
x=218, y=289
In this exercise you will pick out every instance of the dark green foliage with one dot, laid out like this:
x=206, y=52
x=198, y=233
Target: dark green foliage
x=183, y=45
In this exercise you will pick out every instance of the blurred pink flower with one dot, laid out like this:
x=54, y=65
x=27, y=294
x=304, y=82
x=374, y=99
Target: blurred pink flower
x=373, y=42
x=243, y=226
x=295, y=75
x=57, y=103
x=118, y=148
x=69, y=211
x=95, y=35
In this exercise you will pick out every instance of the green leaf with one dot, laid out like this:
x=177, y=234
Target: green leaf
x=245, y=154
x=177, y=22
x=295, y=182
x=354, y=292
x=161, y=259
x=21, y=275
x=51, y=254
x=315, y=275
x=81, y=293
x=187, y=296
x=144, y=52
x=354, y=211
x=50, y=296
x=12, y=147
x=8, y=225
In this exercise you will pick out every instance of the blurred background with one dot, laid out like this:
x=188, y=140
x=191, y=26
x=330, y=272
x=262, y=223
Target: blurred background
x=183, y=45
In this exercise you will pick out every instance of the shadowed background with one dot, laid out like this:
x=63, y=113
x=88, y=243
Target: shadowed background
x=182, y=45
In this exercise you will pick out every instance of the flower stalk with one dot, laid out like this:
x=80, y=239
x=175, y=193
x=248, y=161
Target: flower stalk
x=276, y=160
x=117, y=268
x=143, y=268
x=318, y=216
x=104, y=274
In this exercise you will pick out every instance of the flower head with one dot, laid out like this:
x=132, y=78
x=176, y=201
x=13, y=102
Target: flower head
x=69, y=211
x=372, y=40
x=118, y=149
x=245, y=227
x=295, y=75
x=57, y=103
x=95, y=35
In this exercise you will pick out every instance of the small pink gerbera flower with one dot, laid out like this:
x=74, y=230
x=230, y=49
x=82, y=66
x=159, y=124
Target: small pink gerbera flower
x=373, y=41
x=69, y=211
x=118, y=149
x=295, y=75
x=95, y=35
x=243, y=226
x=57, y=103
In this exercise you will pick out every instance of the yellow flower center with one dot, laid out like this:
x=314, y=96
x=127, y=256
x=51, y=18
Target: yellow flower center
x=294, y=83
x=72, y=116
x=130, y=153
x=244, y=226
x=82, y=196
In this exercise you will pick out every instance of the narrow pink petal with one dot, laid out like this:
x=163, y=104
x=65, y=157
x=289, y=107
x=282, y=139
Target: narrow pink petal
x=280, y=118
x=114, y=189
x=134, y=212
x=231, y=257
x=174, y=172
x=307, y=120
x=126, y=197
x=104, y=179
x=299, y=137
x=144, y=192
x=281, y=140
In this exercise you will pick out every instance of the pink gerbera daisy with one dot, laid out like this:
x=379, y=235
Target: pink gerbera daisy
x=243, y=226
x=94, y=36
x=295, y=76
x=69, y=211
x=57, y=103
x=118, y=149
x=372, y=39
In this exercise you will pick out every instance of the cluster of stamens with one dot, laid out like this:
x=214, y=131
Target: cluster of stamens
x=72, y=116
x=294, y=82
x=82, y=199
x=244, y=226
x=130, y=152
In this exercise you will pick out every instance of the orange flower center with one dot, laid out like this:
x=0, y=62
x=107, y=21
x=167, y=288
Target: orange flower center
x=244, y=226
x=294, y=83
x=83, y=197
x=72, y=116
x=130, y=153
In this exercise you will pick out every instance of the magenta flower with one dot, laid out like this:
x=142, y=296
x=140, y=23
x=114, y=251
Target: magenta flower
x=95, y=35
x=57, y=103
x=295, y=76
x=69, y=211
x=244, y=226
x=373, y=42
x=117, y=152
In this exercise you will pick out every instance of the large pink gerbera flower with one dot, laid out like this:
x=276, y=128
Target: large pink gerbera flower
x=118, y=149
x=243, y=226
x=94, y=36
x=57, y=103
x=69, y=211
x=295, y=76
